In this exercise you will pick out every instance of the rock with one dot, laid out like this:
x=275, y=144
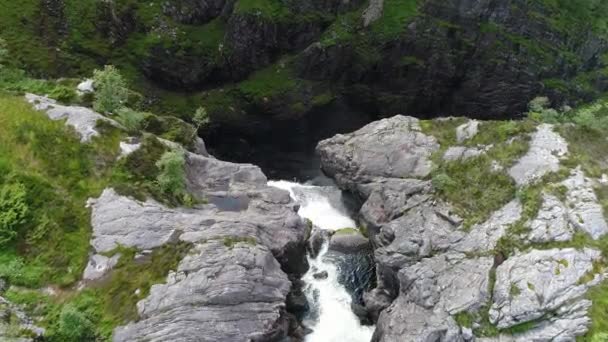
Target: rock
x=200, y=148
x=584, y=210
x=270, y=216
x=546, y=149
x=450, y=282
x=320, y=275
x=467, y=131
x=467, y=334
x=422, y=232
x=454, y=153
x=129, y=146
x=483, y=237
x=99, y=265
x=348, y=242
x=16, y=325
x=232, y=294
x=389, y=148
x=432, y=291
x=83, y=120
x=404, y=318
x=361, y=313
x=85, y=87
x=318, y=238
x=551, y=223
x=375, y=301
x=532, y=285
x=387, y=199
x=373, y=12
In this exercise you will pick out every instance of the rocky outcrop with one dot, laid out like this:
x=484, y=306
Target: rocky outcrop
x=431, y=270
x=551, y=223
x=82, y=119
x=432, y=291
x=546, y=149
x=217, y=293
x=523, y=292
x=233, y=285
x=389, y=148
x=585, y=213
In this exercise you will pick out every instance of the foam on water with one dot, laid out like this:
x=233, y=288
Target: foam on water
x=335, y=321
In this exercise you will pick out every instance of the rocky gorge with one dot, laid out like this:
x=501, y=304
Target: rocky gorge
x=317, y=171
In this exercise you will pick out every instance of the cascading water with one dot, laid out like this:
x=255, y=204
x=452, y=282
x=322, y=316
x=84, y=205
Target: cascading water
x=331, y=317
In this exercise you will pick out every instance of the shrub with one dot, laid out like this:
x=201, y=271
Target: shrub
x=63, y=94
x=171, y=179
x=13, y=210
x=201, y=118
x=131, y=119
x=111, y=92
x=538, y=104
x=74, y=326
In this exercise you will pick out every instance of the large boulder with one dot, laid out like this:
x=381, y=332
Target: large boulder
x=233, y=286
x=544, y=283
x=218, y=293
x=389, y=148
x=431, y=292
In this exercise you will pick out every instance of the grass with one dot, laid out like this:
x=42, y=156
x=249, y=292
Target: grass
x=395, y=16
x=232, y=241
x=109, y=302
x=59, y=174
x=273, y=81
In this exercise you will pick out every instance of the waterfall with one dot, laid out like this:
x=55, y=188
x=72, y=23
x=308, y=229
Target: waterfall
x=331, y=317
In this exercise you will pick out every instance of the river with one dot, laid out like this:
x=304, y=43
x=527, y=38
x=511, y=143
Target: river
x=330, y=317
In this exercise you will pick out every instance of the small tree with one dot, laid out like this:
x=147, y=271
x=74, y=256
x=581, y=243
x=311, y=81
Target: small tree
x=131, y=119
x=13, y=210
x=111, y=92
x=171, y=179
x=74, y=326
x=200, y=119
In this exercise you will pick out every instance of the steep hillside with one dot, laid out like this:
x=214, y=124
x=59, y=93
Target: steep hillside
x=252, y=61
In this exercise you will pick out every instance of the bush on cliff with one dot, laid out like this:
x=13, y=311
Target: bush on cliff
x=111, y=92
x=13, y=211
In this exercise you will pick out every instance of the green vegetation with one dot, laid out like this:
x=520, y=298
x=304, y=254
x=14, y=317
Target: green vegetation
x=13, y=210
x=231, y=241
x=40, y=159
x=96, y=310
x=395, y=16
x=347, y=231
x=171, y=178
x=111, y=92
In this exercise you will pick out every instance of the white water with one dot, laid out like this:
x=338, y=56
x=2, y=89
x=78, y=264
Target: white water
x=335, y=322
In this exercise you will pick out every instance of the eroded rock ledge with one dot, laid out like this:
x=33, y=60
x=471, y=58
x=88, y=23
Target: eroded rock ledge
x=437, y=279
x=233, y=285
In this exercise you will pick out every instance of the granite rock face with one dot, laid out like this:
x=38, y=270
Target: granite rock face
x=585, y=212
x=248, y=240
x=431, y=292
x=539, y=283
x=429, y=269
x=389, y=148
x=546, y=149
x=82, y=119
x=551, y=223
x=218, y=293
